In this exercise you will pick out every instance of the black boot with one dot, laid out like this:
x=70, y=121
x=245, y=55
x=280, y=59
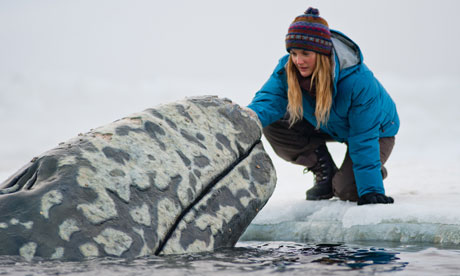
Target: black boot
x=324, y=170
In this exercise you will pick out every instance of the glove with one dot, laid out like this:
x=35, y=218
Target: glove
x=374, y=198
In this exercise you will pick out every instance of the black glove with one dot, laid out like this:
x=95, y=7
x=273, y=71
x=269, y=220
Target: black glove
x=373, y=198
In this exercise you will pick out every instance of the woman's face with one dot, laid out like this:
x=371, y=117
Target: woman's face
x=304, y=61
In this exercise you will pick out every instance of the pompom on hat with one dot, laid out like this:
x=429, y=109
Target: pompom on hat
x=309, y=32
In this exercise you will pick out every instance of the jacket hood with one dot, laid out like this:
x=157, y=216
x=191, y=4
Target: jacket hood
x=347, y=51
x=347, y=55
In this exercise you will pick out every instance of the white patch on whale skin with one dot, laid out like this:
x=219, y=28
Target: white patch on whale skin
x=14, y=221
x=67, y=228
x=58, y=253
x=121, y=188
x=167, y=212
x=28, y=225
x=199, y=246
x=27, y=251
x=141, y=181
x=89, y=250
x=67, y=160
x=216, y=221
x=103, y=207
x=182, y=193
x=114, y=241
x=145, y=251
x=195, y=246
x=50, y=199
x=141, y=215
x=245, y=201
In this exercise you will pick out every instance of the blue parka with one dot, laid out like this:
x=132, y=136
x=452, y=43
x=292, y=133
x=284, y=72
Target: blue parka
x=362, y=111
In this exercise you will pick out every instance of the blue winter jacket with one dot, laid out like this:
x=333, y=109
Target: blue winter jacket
x=362, y=111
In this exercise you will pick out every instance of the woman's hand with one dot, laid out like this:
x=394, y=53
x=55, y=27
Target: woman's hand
x=251, y=112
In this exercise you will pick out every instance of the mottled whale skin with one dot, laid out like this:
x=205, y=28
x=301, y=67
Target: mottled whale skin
x=182, y=177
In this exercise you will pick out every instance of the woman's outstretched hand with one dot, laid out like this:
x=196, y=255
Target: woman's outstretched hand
x=251, y=112
x=375, y=198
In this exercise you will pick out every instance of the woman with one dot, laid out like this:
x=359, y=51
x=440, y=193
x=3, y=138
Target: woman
x=322, y=91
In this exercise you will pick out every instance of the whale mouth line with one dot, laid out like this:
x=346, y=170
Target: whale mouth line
x=203, y=193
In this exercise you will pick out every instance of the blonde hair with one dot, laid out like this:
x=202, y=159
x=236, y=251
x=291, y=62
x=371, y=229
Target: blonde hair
x=322, y=78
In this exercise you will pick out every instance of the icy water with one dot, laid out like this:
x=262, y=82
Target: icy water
x=262, y=258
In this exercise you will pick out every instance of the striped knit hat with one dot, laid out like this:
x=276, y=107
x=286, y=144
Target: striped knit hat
x=310, y=32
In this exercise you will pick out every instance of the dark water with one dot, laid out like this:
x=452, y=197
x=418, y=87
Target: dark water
x=260, y=258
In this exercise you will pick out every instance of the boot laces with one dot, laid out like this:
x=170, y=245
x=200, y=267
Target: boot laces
x=321, y=170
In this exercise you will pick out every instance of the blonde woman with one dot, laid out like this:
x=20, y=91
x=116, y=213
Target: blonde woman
x=322, y=91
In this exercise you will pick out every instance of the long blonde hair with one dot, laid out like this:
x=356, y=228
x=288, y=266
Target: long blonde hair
x=322, y=78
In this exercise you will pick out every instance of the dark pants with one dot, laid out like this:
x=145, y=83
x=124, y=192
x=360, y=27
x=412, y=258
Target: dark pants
x=298, y=143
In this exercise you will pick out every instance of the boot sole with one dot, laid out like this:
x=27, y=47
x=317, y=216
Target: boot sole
x=328, y=196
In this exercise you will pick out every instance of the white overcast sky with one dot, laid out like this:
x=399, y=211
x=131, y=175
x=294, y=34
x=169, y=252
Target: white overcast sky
x=237, y=40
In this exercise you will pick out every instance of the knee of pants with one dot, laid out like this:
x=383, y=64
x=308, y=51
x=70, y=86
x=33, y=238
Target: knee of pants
x=344, y=188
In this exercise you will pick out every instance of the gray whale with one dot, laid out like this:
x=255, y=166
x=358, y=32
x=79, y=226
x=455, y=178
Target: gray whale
x=183, y=177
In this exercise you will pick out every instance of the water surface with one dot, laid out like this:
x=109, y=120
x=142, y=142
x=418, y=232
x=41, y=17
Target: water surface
x=261, y=258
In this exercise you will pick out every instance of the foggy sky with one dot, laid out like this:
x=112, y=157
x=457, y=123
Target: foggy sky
x=206, y=39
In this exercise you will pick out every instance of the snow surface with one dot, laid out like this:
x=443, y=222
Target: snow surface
x=68, y=67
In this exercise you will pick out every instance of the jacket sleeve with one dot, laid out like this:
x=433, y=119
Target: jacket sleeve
x=270, y=101
x=363, y=141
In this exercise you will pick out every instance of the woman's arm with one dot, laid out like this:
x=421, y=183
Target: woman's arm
x=363, y=141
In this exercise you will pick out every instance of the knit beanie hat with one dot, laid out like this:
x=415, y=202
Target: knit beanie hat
x=309, y=32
